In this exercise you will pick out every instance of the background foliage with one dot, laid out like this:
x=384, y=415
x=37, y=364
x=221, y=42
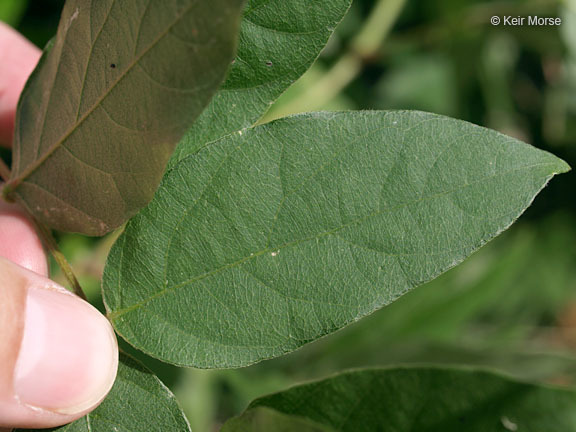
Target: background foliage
x=512, y=305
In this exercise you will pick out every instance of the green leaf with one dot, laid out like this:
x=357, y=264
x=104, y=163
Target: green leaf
x=137, y=402
x=109, y=100
x=279, y=40
x=262, y=419
x=11, y=11
x=273, y=237
x=417, y=399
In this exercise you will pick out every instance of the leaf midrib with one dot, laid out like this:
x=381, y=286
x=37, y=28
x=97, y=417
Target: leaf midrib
x=116, y=314
x=14, y=183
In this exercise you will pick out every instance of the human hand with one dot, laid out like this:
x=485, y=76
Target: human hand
x=58, y=354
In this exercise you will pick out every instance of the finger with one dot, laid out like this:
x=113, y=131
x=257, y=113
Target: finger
x=18, y=240
x=18, y=57
x=58, y=354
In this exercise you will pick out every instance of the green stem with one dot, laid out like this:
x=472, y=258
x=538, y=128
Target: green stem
x=50, y=244
x=377, y=27
x=364, y=46
x=4, y=171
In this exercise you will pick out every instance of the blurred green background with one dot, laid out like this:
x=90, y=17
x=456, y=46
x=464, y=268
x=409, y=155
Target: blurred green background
x=512, y=305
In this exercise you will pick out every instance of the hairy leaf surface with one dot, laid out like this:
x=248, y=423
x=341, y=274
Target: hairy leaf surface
x=112, y=95
x=273, y=237
x=137, y=402
x=279, y=40
x=413, y=399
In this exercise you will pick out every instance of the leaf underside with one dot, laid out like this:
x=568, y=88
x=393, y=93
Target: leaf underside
x=273, y=237
x=412, y=399
x=111, y=97
x=137, y=402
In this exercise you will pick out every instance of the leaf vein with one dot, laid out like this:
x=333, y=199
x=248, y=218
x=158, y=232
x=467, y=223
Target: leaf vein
x=92, y=44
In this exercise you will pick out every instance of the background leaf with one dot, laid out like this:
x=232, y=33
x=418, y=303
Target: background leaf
x=419, y=399
x=137, y=402
x=108, y=102
x=279, y=40
x=262, y=419
x=11, y=11
x=273, y=237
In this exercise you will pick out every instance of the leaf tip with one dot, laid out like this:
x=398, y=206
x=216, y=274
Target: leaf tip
x=563, y=167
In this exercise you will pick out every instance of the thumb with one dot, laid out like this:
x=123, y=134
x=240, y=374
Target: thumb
x=58, y=354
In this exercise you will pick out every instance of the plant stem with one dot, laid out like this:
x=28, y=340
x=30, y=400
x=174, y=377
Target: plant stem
x=377, y=27
x=4, y=171
x=364, y=46
x=50, y=244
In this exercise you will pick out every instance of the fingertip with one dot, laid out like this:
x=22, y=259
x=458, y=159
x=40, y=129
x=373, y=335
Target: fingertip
x=62, y=357
x=18, y=240
x=69, y=356
x=18, y=58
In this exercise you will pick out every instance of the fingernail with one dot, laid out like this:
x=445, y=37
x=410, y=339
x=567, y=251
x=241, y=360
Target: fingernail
x=69, y=356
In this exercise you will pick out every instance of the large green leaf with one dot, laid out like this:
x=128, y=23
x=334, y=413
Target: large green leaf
x=137, y=402
x=279, y=40
x=273, y=237
x=114, y=93
x=414, y=399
